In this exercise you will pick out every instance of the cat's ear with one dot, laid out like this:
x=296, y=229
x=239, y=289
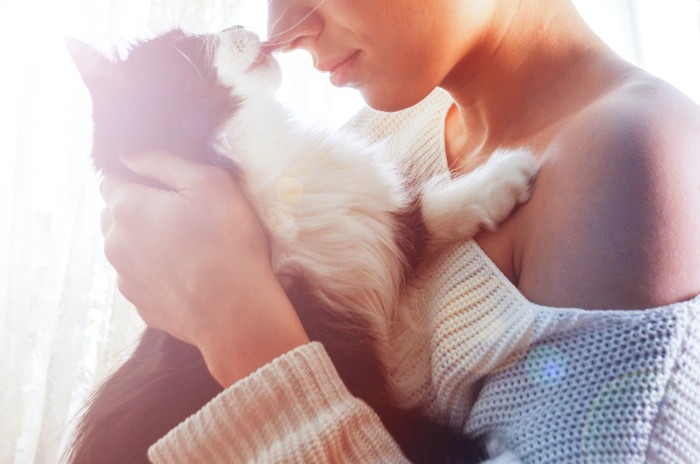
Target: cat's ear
x=95, y=68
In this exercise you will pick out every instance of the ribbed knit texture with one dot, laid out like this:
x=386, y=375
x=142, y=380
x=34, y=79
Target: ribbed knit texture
x=563, y=385
x=294, y=409
x=555, y=385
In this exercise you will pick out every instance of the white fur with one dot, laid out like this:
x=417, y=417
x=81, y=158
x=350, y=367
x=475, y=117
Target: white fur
x=457, y=208
x=329, y=202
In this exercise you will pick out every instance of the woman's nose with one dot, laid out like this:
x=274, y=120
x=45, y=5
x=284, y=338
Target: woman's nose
x=290, y=23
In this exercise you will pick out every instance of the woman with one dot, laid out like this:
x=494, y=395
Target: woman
x=612, y=227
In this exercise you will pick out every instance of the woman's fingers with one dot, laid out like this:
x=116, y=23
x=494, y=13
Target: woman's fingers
x=174, y=172
x=194, y=259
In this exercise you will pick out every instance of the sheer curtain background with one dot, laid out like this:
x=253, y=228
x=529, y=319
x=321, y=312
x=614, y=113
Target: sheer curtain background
x=63, y=325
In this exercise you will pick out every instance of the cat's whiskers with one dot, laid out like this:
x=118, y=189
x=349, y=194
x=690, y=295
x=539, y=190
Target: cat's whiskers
x=289, y=42
x=199, y=73
x=273, y=25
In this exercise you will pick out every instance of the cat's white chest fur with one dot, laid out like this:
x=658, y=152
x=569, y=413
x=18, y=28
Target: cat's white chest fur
x=329, y=202
x=332, y=204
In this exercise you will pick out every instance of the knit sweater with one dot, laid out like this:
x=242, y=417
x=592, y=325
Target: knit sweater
x=555, y=385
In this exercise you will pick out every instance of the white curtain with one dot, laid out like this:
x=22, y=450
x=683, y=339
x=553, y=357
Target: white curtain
x=660, y=36
x=63, y=326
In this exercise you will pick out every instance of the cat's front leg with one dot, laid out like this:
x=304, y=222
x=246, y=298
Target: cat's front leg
x=455, y=209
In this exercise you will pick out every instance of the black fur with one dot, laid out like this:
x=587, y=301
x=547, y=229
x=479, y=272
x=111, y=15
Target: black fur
x=164, y=382
x=176, y=105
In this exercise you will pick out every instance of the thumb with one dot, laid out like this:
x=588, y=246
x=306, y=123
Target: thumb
x=169, y=170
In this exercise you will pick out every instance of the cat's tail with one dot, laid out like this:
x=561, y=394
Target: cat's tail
x=163, y=383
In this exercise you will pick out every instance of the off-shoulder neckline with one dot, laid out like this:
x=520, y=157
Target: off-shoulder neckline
x=503, y=283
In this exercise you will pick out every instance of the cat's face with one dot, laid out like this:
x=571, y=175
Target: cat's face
x=172, y=93
x=242, y=64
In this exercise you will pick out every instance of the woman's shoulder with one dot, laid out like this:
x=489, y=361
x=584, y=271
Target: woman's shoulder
x=644, y=114
x=615, y=219
x=640, y=119
x=642, y=132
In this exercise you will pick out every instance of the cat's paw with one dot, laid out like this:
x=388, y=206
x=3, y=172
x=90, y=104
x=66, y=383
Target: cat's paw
x=513, y=173
x=457, y=208
x=507, y=179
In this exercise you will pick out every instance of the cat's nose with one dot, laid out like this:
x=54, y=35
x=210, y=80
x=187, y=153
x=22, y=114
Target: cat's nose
x=237, y=27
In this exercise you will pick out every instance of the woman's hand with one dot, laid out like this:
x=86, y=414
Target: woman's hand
x=195, y=262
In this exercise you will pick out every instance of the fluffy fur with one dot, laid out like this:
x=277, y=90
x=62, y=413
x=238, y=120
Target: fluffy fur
x=345, y=228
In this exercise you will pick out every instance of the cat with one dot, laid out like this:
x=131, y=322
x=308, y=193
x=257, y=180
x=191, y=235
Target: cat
x=345, y=225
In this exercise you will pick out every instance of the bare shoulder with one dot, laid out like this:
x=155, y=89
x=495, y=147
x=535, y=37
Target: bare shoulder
x=614, y=220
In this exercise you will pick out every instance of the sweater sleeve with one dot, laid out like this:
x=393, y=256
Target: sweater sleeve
x=294, y=409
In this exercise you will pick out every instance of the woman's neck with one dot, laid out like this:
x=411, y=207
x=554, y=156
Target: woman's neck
x=530, y=71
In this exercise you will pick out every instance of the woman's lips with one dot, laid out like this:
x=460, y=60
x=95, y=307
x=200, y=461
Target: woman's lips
x=340, y=70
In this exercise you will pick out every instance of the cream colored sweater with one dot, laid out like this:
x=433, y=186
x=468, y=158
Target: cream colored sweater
x=555, y=385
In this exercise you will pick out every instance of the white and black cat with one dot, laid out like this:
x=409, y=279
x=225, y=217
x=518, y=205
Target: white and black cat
x=345, y=228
